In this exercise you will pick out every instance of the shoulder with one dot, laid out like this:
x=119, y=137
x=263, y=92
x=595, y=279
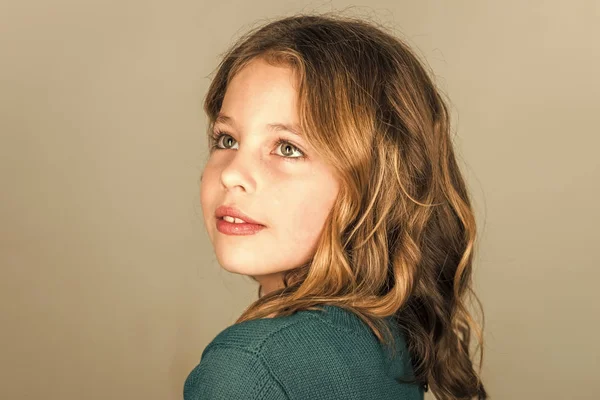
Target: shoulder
x=232, y=365
x=305, y=333
x=291, y=354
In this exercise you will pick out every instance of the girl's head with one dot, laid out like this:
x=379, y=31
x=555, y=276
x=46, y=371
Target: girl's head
x=364, y=206
x=261, y=164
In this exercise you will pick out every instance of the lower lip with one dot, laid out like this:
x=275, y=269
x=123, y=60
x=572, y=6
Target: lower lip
x=230, y=228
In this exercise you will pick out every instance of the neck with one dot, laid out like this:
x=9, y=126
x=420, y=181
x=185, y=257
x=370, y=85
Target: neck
x=270, y=282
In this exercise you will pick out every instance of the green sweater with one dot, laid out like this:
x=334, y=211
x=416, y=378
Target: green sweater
x=310, y=355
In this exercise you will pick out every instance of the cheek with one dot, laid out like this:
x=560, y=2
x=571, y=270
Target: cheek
x=208, y=186
x=306, y=205
x=303, y=219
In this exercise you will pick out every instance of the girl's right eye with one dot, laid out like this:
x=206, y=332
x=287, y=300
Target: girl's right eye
x=216, y=137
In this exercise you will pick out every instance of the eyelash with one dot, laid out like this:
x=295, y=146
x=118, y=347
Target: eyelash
x=217, y=135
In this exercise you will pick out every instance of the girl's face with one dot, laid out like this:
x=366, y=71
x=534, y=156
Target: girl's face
x=284, y=187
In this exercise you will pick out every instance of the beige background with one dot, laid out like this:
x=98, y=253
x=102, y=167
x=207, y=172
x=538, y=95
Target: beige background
x=108, y=285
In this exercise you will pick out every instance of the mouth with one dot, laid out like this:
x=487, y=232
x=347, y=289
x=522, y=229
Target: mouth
x=234, y=216
x=237, y=228
x=236, y=220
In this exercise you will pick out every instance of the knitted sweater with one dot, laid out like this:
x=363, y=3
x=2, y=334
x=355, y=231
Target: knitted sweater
x=328, y=354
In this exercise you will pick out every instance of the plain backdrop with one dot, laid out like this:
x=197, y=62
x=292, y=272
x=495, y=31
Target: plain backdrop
x=109, y=288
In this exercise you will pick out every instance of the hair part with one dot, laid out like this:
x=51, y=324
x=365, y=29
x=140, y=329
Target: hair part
x=399, y=240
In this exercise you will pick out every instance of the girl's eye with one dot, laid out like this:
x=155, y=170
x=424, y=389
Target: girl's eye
x=287, y=152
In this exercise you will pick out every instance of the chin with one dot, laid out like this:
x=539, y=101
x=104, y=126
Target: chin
x=237, y=265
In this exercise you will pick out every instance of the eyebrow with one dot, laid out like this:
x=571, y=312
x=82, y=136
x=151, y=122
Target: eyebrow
x=276, y=126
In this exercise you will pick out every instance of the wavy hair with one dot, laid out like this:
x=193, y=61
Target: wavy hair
x=399, y=240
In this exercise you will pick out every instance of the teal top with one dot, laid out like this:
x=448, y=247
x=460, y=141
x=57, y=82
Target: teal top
x=312, y=354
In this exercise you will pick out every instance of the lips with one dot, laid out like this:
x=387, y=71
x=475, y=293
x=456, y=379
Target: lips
x=234, y=212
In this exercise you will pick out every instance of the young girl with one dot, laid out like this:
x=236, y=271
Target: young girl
x=332, y=182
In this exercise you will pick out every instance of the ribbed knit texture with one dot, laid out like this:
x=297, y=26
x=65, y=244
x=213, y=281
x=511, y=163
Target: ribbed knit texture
x=311, y=355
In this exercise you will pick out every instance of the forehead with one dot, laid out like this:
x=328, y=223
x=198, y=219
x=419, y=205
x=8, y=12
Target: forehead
x=265, y=74
x=293, y=128
x=261, y=91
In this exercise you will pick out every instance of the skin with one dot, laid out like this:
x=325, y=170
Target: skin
x=291, y=196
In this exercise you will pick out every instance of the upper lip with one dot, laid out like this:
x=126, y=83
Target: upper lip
x=234, y=212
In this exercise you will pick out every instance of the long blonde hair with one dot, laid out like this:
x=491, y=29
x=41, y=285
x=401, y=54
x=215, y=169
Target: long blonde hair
x=399, y=240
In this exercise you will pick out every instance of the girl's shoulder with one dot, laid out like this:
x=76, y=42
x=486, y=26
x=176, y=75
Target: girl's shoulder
x=256, y=335
x=330, y=351
x=331, y=331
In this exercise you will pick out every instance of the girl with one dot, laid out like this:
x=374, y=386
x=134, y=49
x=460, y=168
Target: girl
x=332, y=182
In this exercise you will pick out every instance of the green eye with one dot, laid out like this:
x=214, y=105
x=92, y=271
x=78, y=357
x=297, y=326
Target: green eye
x=216, y=139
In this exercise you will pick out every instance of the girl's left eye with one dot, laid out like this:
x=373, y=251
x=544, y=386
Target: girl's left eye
x=216, y=139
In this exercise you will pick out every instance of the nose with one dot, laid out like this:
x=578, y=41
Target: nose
x=239, y=172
